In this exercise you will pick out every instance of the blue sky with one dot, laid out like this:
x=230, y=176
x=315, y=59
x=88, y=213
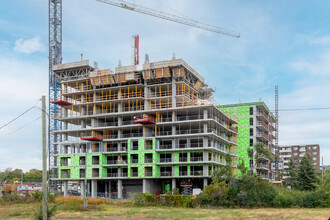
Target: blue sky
x=282, y=42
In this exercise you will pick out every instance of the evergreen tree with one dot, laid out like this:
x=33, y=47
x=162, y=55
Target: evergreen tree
x=307, y=179
x=292, y=179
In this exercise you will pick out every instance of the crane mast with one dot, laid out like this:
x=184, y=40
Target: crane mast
x=170, y=17
x=55, y=57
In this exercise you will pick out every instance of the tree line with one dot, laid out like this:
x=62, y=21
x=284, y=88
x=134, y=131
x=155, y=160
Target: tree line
x=17, y=175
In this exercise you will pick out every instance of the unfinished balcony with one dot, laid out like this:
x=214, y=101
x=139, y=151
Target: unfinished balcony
x=262, y=115
x=262, y=126
x=263, y=136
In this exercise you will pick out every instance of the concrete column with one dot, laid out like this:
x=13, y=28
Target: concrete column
x=65, y=190
x=173, y=93
x=94, y=188
x=119, y=133
x=82, y=188
x=205, y=170
x=120, y=120
x=205, y=112
x=173, y=183
x=120, y=189
x=205, y=128
x=144, y=186
x=205, y=142
x=106, y=190
x=88, y=186
x=205, y=156
x=146, y=95
x=173, y=129
x=205, y=182
x=120, y=172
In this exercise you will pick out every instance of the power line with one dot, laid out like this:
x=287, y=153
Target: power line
x=26, y=111
x=24, y=126
x=303, y=109
x=21, y=127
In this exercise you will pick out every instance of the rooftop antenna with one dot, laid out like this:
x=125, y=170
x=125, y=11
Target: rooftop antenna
x=81, y=55
x=173, y=57
x=146, y=58
x=96, y=65
x=119, y=63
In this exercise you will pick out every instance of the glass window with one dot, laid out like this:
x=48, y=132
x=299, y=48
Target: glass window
x=251, y=121
x=251, y=110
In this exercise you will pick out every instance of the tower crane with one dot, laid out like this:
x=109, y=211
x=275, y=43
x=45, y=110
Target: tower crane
x=55, y=58
x=170, y=17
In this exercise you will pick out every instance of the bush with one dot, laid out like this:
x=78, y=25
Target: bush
x=37, y=195
x=310, y=200
x=215, y=194
x=177, y=200
x=142, y=199
x=38, y=215
x=284, y=201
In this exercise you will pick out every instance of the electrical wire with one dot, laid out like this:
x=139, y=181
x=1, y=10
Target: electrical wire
x=24, y=126
x=26, y=111
x=21, y=127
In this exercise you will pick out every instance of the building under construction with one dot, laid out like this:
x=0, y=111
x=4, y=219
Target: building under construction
x=131, y=130
x=256, y=124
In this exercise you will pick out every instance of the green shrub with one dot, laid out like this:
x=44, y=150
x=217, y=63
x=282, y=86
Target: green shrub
x=50, y=212
x=310, y=200
x=215, y=194
x=142, y=199
x=179, y=201
x=37, y=195
x=284, y=201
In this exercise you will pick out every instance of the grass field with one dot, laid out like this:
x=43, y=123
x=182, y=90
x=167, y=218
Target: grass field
x=127, y=211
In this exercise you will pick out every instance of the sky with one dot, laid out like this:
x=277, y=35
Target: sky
x=284, y=43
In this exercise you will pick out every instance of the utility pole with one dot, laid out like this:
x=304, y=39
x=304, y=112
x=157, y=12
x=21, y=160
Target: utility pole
x=44, y=160
x=85, y=181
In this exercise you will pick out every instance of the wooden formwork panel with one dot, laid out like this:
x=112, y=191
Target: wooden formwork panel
x=122, y=78
x=147, y=74
x=159, y=73
x=178, y=71
x=166, y=72
x=130, y=77
x=197, y=85
x=162, y=72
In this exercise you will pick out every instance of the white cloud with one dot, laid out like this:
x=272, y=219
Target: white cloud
x=318, y=66
x=29, y=46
